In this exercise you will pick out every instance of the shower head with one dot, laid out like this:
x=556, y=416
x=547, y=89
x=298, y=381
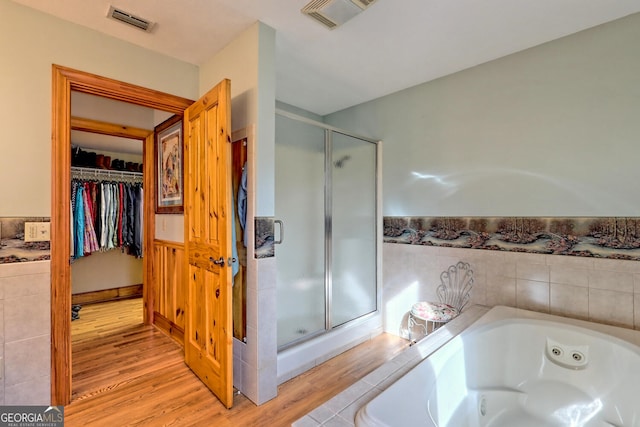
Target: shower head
x=340, y=162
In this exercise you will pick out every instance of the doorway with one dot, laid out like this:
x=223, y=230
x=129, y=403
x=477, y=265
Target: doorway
x=65, y=81
x=106, y=258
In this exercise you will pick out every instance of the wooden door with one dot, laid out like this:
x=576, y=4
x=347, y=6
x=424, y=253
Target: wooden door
x=207, y=165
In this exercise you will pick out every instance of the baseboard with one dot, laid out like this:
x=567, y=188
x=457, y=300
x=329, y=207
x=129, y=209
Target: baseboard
x=104, y=295
x=168, y=327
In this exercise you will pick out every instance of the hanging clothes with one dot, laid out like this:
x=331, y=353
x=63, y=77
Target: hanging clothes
x=112, y=216
x=138, y=223
x=130, y=214
x=78, y=221
x=235, y=261
x=74, y=189
x=106, y=215
x=90, y=241
x=242, y=203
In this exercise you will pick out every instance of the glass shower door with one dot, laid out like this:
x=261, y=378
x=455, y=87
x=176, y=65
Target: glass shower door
x=299, y=204
x=353, y=228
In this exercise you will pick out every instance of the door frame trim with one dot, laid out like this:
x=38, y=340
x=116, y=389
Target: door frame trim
x=64, y=81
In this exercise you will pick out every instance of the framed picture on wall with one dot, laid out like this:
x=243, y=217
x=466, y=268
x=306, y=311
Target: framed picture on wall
x=169, y=166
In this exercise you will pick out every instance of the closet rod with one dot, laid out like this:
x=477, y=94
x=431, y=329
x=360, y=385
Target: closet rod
x=80, y=172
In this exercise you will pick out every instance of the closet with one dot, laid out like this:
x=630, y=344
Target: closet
x=107, y=145
x=106, y=234
x=117, y=271
x=107, y=148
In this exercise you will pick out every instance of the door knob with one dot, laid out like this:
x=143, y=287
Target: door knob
x=219, y=261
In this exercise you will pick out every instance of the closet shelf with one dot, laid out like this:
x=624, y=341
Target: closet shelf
x=80, y=172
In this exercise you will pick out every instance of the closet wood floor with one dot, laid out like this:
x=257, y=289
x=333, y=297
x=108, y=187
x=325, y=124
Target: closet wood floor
x=129, y=374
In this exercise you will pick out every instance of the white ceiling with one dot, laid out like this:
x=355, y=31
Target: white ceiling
x=390, y=46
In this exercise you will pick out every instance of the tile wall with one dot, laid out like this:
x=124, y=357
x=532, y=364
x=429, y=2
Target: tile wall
x=255, y=361
x=596, y=289
x=25, y=316
x=25, y=331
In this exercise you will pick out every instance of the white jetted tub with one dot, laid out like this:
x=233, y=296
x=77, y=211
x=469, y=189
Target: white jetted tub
x=516, y=368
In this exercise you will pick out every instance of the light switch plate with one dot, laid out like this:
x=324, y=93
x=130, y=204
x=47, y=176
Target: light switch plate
x=37, y=231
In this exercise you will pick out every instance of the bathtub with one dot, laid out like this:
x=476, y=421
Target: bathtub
x=519, y=368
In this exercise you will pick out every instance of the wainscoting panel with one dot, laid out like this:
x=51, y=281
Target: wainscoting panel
x=169, y=290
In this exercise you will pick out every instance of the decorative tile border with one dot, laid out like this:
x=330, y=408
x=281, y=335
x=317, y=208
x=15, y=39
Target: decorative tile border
x=13, y=248
x=264, y=237
x=614, y=237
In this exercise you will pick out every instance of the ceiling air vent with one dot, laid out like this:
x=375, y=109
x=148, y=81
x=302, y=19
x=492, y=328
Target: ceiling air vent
x=130, y=19
x=332, y=13
x=363, y=3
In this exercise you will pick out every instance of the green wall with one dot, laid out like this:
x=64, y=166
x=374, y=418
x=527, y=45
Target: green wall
x=550, y=131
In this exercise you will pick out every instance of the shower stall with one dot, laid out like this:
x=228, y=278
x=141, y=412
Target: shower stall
x=327, y=209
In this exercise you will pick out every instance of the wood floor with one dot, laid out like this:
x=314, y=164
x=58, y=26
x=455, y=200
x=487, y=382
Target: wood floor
x=128, y=374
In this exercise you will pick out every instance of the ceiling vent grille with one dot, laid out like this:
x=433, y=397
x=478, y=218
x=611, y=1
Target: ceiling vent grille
x=332, y=13
x=363, y=3
x=130, y=19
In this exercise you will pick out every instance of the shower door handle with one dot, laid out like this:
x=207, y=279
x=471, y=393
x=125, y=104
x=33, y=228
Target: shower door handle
x=279, y=241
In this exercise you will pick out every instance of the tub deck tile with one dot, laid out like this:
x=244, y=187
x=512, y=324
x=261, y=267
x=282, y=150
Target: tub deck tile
x=338, y=421
x=349, y=413
x=347, y=397
x=305, y=421
x=321, y=414
x=382, y=373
